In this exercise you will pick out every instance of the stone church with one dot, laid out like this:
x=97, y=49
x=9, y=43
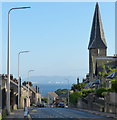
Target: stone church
x=97, y=46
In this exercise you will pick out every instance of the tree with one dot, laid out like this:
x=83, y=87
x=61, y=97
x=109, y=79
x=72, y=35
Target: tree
x=103, y=73
x=74, y=97
x=61, y=91
x=112, y=69
x=45, y=100
x=78, y=87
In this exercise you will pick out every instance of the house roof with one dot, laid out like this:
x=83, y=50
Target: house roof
x=92, y=83
x=53, y=94
x=97, y=38
x=112, y=75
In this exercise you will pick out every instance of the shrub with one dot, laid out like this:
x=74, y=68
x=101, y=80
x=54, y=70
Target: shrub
x=100, y=91
x=85, y=92
x=43, y=99
x=110, y=90
x=78, y=87
x=61, y=91
x=114, y=85
x=74, y=97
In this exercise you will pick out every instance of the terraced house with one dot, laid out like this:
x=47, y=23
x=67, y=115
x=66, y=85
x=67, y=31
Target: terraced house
x=34, y=95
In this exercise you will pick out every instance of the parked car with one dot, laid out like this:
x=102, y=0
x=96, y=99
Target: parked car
x=61, y=104
x=41, y=105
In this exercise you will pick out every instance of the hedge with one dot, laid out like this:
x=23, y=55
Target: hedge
x=74, y=97
x=100, y=91
x=85, y=92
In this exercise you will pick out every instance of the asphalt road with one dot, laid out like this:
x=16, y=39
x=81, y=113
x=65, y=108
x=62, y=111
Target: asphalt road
x=63, y=113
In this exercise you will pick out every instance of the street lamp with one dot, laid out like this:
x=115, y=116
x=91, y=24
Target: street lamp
x=8, y=59
x=19, y=76
x=68, y=92
x=28, y=85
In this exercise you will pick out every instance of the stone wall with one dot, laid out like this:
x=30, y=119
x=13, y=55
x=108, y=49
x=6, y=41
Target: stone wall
x=82, y=104
x=111, y=102
x=108, y=104
x=89, y=105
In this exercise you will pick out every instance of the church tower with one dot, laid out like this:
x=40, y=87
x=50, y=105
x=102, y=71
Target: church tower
x=97, y=44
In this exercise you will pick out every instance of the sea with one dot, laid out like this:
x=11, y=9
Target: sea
x=45, y=88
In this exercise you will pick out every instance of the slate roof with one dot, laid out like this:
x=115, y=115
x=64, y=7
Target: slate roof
x=112, y=75
x=89, y=85
x=97, y=38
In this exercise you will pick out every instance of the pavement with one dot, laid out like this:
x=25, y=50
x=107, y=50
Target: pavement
x=19, y=113
x=110, y=115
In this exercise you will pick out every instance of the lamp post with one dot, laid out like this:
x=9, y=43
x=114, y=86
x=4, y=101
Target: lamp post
x=8, y=59
x=19, y=76
x=68, y=92
x=28, y=84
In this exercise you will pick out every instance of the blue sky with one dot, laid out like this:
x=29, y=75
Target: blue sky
x=56, y=34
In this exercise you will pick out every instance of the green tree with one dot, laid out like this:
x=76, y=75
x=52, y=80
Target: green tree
x=103, y=73
x=61, y=91
x=74, y=97
x=78, y=87
x=100, y=91
x=45, y=100
x=85, y=92
x=112, y=70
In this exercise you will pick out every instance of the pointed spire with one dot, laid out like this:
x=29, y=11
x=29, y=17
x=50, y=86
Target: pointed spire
x=97, y=39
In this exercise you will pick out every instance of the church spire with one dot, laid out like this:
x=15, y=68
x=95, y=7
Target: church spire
x=97, y=39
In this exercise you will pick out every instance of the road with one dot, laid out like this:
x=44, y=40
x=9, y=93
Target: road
x=63, y=113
